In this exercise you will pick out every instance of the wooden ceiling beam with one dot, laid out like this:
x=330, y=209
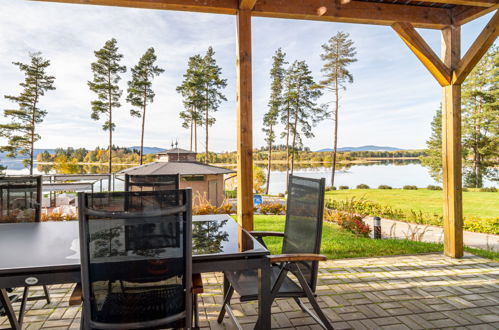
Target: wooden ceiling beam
x=424, y=52
x=205, y=6
x=354, y=12
x=247, y=4
x=464, y=14
x=473, y=3
x=482, y=43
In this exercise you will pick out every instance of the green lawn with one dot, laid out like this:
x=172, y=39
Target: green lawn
x=480, y=204
x=338, y=243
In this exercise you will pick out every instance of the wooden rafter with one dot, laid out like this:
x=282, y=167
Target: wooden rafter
x=424, y=52
x=353, y=12
x=477, y=49
x=464, y=14
x=205, y=6
x=247, y=4
x=474, y=3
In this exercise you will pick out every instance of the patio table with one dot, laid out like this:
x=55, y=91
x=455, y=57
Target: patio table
x=47, y=253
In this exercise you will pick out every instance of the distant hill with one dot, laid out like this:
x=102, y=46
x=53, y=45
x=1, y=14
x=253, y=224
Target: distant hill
x=362, y=148
x=148, y=150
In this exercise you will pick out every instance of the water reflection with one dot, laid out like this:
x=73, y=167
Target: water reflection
x=208, y=236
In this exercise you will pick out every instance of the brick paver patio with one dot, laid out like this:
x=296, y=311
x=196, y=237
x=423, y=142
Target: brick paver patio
x=403, y=292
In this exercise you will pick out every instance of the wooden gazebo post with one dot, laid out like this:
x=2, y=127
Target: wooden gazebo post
x=244, y=116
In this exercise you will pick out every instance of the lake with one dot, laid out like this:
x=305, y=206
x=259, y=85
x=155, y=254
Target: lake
x=395, y=173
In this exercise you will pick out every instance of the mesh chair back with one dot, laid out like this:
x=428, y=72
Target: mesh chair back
x=141, y=241
x=20, y=198
x=303, y=231
x=151, y=182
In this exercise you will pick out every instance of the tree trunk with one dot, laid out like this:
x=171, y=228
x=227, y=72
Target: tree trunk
x=293, y=151
x=190, y=144
x=110, y=171
x=336, y=110
x=269, y=161
x=287, y=149
x=195, y=136
x=33, y=116
x=142, y=135
x=207, y=118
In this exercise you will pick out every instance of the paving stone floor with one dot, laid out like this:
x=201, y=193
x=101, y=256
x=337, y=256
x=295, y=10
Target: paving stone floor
x=404, y=292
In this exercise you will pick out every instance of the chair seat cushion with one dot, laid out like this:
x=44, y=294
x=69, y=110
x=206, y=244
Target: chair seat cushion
x=245, y=283
x=127, y=307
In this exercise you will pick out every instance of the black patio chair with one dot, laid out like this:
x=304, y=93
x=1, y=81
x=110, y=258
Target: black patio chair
x=136, y=259
x=151, y=182
x=300, y=253
x=20, y=201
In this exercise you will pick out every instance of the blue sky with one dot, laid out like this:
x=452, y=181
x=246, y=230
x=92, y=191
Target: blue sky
x=391, y=102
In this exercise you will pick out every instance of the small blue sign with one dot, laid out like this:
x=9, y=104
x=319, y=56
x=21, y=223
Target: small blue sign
x=257, y=199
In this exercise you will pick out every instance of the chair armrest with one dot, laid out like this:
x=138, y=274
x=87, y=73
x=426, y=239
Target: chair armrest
x=297, y=257
x=266, y=233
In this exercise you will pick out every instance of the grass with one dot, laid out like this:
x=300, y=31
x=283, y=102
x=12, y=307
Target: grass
x=478, y=204
x=338, y=243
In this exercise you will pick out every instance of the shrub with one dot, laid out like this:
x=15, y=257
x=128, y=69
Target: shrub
x=344, y=187
x=349, y=221
x=280, y=194
x=488, y=189
x=410, y=187
x=384, y=186
x=225, y=208
x=230, y=194
x=330, y=188
x=432, y=187
x=202, y=206
x=363, y=186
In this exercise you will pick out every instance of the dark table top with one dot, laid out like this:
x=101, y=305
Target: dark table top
x=31, y=247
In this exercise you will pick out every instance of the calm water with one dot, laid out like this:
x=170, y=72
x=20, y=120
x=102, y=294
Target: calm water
x=373, y=175
x=392, y=173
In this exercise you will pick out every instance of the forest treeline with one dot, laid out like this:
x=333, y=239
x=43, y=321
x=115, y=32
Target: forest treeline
x=123, y=155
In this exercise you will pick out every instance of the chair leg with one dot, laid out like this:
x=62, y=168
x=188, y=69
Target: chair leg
x=195, y=311
x=302, y=307
x=322, y=319
x=22, y=309
x=47, y=294
x=228, y=296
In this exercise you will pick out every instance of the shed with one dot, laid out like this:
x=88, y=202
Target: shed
x=205, y=180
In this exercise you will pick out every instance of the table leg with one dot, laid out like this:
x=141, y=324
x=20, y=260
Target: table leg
x=11, y=315
x=264, y=299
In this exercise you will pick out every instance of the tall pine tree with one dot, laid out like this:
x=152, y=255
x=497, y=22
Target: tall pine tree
x=106, y=70
x=302, y=111
x=191, y=90
x=433, y=158
x=21, y=131
x=213, y=83
x=140, y=93
x=275, y=104
x=338, y=54
x=480, y=114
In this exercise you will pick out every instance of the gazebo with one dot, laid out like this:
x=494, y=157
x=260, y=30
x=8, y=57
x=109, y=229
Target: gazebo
x=450, y=69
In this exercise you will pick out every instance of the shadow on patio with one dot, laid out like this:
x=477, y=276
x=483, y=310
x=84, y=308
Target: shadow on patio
x=403, y=292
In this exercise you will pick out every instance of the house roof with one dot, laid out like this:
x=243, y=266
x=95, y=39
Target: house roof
x=182, y=168
x=175, y=151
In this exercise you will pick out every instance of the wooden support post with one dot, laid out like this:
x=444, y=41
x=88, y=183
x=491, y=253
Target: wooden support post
x=451, y=147
x=244, y=121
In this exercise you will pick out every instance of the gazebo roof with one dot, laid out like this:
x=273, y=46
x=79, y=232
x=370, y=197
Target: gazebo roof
x=175, y=151
x=182, y=168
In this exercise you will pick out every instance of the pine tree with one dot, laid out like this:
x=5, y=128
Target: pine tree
x=301, y=110
x=21, y=131
x=140, y=93
x=338, y=54
x=433, y=158
x=480, y=113
x=106, y=70
x=275, y=104
x=212, y=86
x=192, y=94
